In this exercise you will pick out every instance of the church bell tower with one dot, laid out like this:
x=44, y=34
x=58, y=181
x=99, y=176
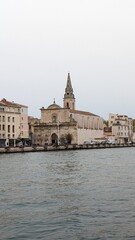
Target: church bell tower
x=69, y=99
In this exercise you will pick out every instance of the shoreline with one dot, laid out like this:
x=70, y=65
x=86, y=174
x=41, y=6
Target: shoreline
x=60, y=148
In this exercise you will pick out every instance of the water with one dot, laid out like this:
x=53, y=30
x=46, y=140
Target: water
x=87, y=194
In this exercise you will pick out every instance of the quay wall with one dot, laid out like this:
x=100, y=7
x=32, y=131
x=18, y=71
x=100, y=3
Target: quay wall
x=60, y=148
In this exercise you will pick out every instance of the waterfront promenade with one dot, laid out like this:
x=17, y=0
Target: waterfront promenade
x=61, y=147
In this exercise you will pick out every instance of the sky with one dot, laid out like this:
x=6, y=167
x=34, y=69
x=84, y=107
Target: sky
x=94, y=40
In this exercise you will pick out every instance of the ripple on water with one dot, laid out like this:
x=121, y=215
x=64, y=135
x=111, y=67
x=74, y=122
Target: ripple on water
x=68, y=195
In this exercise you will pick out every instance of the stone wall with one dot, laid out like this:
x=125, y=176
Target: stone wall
x=88, y=134
x=43, y=133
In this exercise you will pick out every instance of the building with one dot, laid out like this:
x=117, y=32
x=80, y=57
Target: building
x=122, y=127
x=31, y=122
x=13, y=121
x=67, y=125
x=108, y=136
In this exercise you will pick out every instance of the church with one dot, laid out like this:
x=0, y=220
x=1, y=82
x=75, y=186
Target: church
x=66, y=125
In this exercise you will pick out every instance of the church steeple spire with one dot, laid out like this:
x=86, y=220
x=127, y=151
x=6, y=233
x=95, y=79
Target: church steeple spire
x=69, y=99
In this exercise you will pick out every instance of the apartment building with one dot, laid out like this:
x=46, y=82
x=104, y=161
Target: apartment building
x=13, y=120
x=122, y=127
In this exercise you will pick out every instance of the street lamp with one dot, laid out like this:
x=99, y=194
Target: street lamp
x=58, y=124
x=14, y=142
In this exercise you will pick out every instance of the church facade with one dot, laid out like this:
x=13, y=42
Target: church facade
x=61, y=125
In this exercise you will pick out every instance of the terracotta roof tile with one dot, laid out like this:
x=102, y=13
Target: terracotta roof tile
x=4, y=102
x=83, y=113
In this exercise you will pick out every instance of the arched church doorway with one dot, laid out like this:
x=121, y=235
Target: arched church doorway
x=54, y=138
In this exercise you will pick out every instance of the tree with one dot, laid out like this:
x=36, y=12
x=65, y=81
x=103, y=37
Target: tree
x=106, y=123
x=69, y=138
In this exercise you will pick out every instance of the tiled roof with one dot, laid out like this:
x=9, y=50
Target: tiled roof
x=83, y=113
x=121, y=119
x=6, y=103
x=2, y=104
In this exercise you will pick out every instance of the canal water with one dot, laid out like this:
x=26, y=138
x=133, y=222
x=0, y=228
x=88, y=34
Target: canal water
x=85, y=194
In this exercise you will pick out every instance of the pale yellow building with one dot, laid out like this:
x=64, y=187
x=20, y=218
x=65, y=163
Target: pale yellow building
x=13, y=120
x=67, y=125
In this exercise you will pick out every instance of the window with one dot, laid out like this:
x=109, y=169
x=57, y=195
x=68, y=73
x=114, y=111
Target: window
x=3, y=135
x=1, y=109
x=3, y=127
x=3, y=118
x=0, y=127
x=0, y=118
x=8, y=128
x=8, y=135
x=71, y=116
x=13, y=128
x=67, y=105
x=13, y=119
x=54, y=118
x=8, y=119
x=13, y=136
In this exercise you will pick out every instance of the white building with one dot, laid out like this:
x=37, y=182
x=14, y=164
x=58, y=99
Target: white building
x=122, y=127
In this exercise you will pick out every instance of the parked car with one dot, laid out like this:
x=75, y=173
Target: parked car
x=19, y=144
x=91, y=142
x=86, y=142
x=110, y=141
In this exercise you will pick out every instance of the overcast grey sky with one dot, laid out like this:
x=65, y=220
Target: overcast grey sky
x=42, y=40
